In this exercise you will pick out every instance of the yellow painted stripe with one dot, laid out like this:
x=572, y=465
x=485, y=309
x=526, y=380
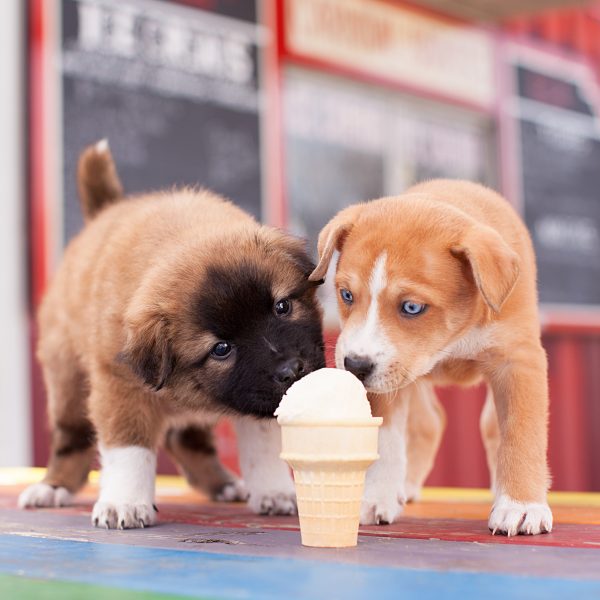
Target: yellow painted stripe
x=173, y=484
x=445, y=494
x=20, y=476
x=26, y=475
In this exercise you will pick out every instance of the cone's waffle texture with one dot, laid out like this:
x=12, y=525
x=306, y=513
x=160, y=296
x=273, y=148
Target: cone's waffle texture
x=329, y=504
x=329, y=463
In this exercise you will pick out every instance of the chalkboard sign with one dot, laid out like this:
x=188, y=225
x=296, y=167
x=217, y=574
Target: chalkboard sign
x=174, y=89
x=559, y=140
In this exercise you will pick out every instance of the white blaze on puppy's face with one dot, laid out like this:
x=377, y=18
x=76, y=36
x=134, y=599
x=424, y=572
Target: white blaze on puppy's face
x=364, y=335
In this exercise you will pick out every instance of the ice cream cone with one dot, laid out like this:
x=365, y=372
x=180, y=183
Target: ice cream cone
x=329, y=462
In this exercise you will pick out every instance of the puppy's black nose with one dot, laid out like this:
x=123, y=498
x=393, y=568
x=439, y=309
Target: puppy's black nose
x=361, y=366
x=289, y=371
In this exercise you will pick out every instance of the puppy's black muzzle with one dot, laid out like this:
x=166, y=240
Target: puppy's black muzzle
x=289, y=371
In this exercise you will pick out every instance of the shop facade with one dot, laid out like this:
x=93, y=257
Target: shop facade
x=296, y=108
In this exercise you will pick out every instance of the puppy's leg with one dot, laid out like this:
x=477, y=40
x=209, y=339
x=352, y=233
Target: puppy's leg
x=520, y=390
x=73, y=436
x=385, y=482
x=128, y=422
x=426, y=424
x=193, y=449
x=126, y=488
x=267, y=477
x=490, y=434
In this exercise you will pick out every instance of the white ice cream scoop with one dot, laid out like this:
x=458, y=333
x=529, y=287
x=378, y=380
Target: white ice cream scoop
x=325, y=395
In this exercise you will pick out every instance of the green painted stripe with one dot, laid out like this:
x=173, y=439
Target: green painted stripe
x=21, y=588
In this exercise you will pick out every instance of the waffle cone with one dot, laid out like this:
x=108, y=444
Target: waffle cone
x=329, y=463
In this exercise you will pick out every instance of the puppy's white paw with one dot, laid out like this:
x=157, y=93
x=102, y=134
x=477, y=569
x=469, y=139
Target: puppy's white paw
x=234, y=491
x=509, y=517
x=42, y=495
x=276, y=503
x=413, y=492
x=381, y=510
x=384, y=497
x=123, y=516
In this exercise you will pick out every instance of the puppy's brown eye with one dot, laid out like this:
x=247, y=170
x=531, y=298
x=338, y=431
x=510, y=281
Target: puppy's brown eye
x=221, y=350
x=283, y=307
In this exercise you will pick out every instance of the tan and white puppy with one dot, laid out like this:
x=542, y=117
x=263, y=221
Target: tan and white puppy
x=438, y=286
x=167, y=311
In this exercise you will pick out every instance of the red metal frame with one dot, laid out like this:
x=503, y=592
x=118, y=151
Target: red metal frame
x=275, y=146
x=37, y=28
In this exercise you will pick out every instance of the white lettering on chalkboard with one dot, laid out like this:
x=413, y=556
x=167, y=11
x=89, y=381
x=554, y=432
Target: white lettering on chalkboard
x=166, y=39
x=568, y=232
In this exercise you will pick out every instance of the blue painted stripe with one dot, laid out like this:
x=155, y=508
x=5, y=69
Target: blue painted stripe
x=194, y=573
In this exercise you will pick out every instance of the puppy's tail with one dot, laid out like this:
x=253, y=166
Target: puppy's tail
x=97, y=179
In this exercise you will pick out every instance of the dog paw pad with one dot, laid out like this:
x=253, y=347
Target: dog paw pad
x=381, y=511
x=123, y=516
x=509, y=517
x=43, y=495
x=234, y=491
x=281, y=503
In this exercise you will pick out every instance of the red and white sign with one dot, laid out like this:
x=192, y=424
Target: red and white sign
x=395, y=44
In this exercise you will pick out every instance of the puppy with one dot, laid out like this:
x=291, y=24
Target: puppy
x=167, y=311
x=438, y=286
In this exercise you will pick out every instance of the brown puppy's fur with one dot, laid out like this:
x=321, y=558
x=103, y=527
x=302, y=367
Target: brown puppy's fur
x=129, y=324
x=462, y=251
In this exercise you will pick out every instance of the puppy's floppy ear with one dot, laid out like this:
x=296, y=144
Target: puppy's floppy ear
x=332, y=238
x=148, y=351
x=494, y=265
x=294, y=248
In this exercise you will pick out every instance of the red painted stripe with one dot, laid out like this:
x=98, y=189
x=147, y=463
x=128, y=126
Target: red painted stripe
x=452, y=530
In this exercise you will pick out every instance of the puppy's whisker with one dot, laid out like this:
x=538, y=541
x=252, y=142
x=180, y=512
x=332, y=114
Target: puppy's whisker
x=271, y=347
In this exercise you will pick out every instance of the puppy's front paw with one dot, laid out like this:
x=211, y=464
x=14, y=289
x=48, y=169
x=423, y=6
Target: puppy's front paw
x=232, y=491
x=413, y=492
x=381, y=510
x=43, y=495
x=276, y=503
x=509, y=517
x=123, y=516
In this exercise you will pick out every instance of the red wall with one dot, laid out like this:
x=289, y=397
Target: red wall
x=574, y=445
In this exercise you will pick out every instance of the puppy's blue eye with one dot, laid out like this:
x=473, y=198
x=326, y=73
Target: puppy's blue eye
x=283, y=307
x=412, y=309
x=347, y=296
x=221, y=350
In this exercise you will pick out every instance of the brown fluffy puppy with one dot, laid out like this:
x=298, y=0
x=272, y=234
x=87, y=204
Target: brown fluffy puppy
x=438, y=286
x=168, y=310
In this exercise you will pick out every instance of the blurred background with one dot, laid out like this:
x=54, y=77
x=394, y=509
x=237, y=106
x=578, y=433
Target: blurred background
x=295, y=109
